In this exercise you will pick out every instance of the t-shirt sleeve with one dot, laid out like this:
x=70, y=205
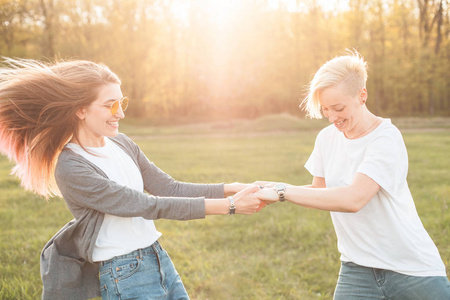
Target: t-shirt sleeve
x=386, y=162
x=315, y=164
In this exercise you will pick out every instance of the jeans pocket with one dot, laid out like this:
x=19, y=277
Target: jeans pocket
x=124, y=268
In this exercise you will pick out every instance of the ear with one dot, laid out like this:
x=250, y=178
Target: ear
x=81, y=113
x=363, y=96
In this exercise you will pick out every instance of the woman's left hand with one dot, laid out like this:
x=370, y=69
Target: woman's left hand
x=246, y=201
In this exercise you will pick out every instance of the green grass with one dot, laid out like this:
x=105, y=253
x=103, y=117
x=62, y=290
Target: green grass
x=283, y=252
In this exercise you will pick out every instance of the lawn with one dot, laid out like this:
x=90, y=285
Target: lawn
x=283, y=252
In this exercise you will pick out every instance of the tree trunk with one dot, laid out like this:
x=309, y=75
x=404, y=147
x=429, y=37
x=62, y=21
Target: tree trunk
x=48, y=34
x=439, y=18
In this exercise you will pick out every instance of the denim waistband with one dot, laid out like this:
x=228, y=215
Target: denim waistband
x=139, y=253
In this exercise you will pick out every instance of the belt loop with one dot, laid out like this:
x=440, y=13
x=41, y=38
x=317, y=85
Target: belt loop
x=140, y=253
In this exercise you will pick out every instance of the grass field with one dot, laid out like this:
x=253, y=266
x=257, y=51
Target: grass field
x=283, y=252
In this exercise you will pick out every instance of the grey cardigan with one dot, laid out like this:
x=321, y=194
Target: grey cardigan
x=67, y=269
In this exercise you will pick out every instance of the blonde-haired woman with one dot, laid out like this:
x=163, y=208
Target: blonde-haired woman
x=59, y=122
x=359, y=166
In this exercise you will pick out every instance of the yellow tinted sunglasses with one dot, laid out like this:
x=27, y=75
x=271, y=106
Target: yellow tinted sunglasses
x=123, y=103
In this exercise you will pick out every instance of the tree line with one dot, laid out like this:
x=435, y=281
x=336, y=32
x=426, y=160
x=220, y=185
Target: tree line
x=215, y=60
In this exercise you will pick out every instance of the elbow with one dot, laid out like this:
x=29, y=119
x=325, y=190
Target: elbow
x=355, y=204
x=354, y=208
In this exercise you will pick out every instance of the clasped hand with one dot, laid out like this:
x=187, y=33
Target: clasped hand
x=255, y=197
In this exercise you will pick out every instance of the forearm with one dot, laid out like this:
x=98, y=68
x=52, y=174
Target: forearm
x=217, y=206
x=187, y=189
x=157, y=182
x=340, y=199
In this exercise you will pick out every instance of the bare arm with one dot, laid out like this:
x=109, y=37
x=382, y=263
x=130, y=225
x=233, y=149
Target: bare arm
x=350, y=198
x=318, y=182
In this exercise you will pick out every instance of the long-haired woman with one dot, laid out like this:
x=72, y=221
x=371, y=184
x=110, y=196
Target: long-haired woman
x=60, y=123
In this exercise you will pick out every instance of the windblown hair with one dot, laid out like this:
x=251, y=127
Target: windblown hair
x=38, y=105
x=348, y=72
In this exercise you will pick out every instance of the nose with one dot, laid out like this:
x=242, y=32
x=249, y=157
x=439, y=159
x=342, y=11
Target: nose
x=119, y=113
x=331, y=117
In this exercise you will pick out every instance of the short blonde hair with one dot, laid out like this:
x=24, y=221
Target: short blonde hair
x=348, y=71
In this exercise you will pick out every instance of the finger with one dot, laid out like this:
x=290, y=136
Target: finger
x=250, y=190
x=261, y=206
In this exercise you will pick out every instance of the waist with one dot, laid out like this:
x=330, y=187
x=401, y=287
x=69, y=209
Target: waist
x=139, y=253
x=119, y=236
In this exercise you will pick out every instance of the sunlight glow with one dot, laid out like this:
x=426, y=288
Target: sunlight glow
x=220, y=12
x=299, y=6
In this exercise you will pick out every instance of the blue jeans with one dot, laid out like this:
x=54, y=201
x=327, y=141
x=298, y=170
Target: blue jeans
x=358, y=282
x=142, y=274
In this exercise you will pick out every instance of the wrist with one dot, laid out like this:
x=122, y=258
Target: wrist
x=232, y=208
x=280, y=189
x=217, y=206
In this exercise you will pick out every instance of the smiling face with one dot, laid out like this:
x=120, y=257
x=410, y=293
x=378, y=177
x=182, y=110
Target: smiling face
x=97, y=121
x=342, y=109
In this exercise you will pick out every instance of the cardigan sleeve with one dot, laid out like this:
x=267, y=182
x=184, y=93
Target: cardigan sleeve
x=83, y=185
x=157, y=182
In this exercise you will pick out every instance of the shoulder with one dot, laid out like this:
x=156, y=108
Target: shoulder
x=70, y=163
x=387, y=129
x=387, y=140
x=123, y=140
x=68, y=157
x=388, y=133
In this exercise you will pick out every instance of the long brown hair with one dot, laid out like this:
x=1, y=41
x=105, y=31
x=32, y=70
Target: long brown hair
x=38, y=105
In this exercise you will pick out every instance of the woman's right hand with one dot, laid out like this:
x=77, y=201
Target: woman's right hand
x=246, y=201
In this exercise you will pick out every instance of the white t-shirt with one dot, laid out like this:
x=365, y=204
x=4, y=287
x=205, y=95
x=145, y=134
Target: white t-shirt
x=386, y=233
x=118, y=235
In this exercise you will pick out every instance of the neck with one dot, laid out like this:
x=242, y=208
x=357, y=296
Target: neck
x=366, y=126
x=83, y=141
